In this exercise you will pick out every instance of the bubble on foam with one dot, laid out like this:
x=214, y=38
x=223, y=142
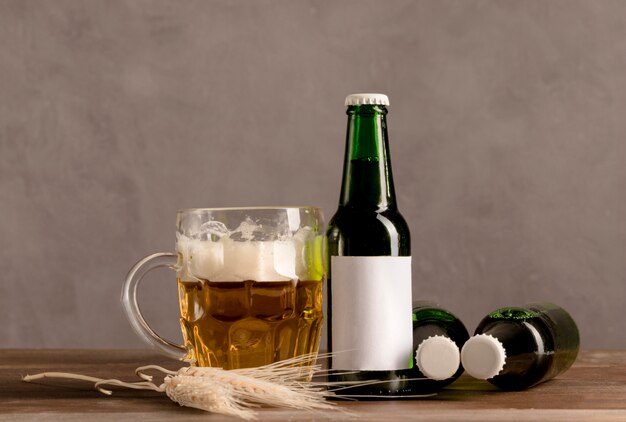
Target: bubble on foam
x=214, y=228
x=252, y=260
x=206, y=259
x=262, y=230
x=201, y=259
x=303, y=234
x=246, y=230
x=285, y=259
x=293, y=219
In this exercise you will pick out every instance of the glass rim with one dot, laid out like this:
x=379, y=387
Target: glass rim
x=255, y=208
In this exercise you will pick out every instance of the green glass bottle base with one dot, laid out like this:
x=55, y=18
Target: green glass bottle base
x=373, y=385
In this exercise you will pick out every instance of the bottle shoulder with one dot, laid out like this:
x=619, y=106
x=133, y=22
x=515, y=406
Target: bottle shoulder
x=549, y=324
x=354, y=232
x=357, y=232
x=349, y=218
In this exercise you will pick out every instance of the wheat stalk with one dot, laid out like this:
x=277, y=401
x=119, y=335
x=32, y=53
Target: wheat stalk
x=234, y=392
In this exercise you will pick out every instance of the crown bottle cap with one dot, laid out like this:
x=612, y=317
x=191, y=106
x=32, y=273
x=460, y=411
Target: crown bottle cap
x=483, y=356
x=367, y=98
x=437, y=357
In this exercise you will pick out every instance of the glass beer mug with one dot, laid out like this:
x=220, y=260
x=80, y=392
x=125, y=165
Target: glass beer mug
x=250, y=285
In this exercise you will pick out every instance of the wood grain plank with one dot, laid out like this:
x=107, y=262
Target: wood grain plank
x=593, y=389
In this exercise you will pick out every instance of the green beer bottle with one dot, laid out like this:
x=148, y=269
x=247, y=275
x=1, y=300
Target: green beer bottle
x=369, y=252
x=438, y=336
x=516, y=348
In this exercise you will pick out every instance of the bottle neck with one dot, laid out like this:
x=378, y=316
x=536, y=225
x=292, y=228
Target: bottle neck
x=367, y=179
x=425, y=330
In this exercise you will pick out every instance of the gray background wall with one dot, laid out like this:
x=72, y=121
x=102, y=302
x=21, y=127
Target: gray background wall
x=507, y=125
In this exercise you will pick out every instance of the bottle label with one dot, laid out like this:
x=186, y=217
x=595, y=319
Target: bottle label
x=372, y=328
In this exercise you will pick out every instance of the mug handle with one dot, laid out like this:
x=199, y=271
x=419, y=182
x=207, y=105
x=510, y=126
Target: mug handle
x=131, y=306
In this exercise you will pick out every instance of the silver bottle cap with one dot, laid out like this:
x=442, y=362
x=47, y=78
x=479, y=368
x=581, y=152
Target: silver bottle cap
x=438, y=357
x=367, y=98
x=483, y=356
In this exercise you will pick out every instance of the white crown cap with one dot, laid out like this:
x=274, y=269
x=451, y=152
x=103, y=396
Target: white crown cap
x=364, y=99
x=438, y=357
x=483, y=356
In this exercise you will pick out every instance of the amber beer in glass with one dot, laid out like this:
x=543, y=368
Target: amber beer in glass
x=250, y=285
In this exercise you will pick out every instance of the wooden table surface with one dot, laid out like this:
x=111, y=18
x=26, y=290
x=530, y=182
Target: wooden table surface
x=594, y=389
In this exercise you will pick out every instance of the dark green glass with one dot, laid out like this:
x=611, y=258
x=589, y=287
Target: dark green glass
x=541, y=341
x=429, y=320
x=367, y=223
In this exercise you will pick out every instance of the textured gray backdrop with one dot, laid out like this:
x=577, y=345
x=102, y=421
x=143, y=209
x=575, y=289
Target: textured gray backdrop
x=507, y=126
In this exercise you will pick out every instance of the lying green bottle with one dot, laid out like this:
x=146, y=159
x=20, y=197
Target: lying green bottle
x=517, y=348
x=438, y=336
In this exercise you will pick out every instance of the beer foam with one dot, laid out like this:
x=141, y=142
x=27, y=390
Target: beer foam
x=201, y=259
x=231, y=260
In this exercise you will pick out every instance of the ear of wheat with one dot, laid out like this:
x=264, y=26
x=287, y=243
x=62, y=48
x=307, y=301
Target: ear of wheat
x=234, y=392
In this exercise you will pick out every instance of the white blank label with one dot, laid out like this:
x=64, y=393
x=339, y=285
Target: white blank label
x=372, y=325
